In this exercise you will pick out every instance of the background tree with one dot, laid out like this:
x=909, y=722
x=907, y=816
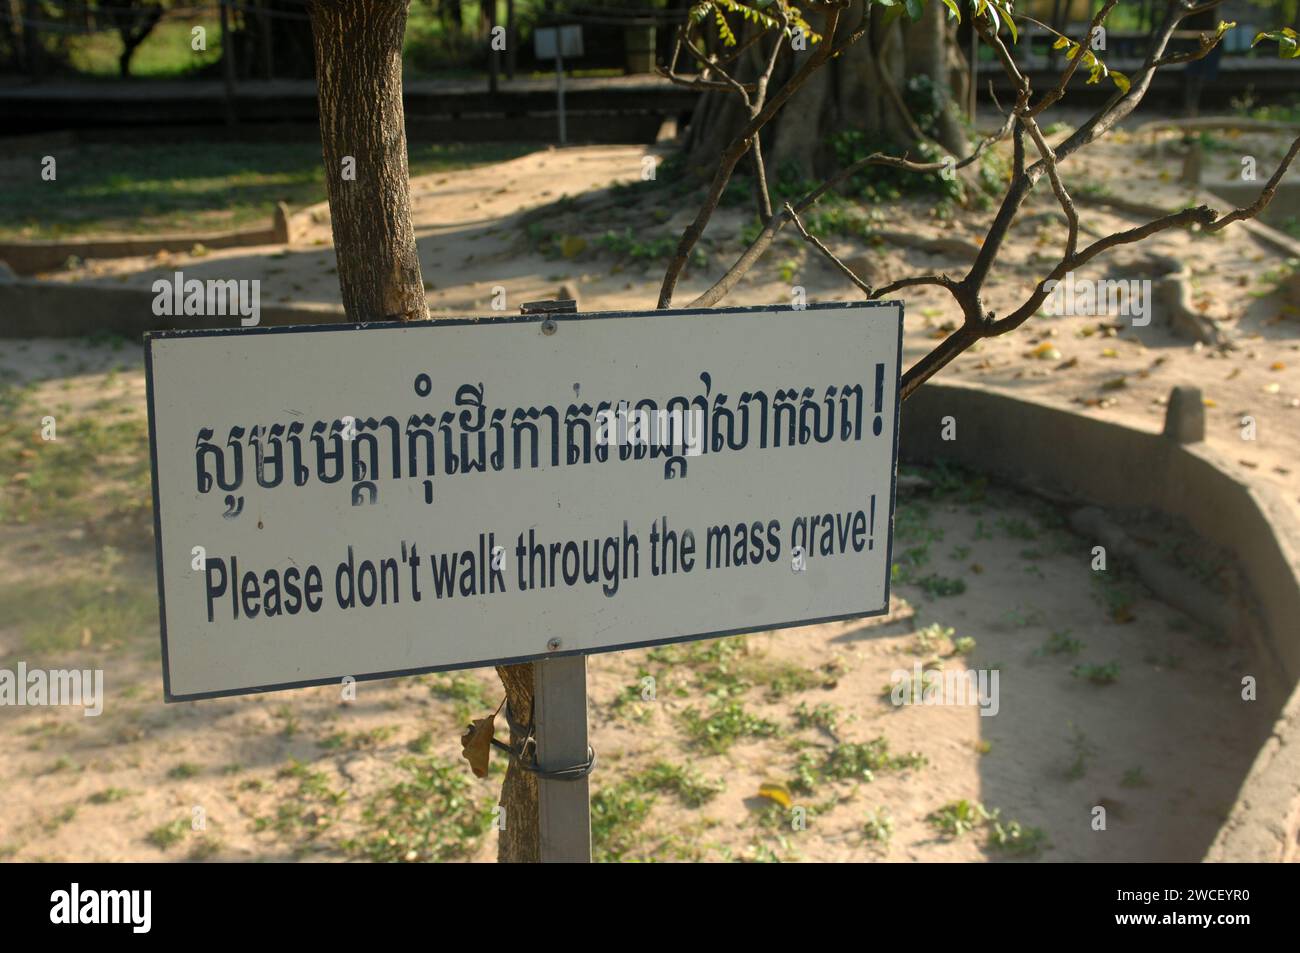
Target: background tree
x=760, y=100
x=133, y=20
x=895, y=86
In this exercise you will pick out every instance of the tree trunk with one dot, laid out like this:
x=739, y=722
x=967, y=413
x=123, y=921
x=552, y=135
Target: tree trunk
x=847, y=93
x=363, y=137
x=521, y=841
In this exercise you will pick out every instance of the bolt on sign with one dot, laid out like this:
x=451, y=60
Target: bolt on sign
x=386, y=499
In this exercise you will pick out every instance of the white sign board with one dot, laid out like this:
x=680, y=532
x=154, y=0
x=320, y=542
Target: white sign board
x=387, y=499
x=564, y=42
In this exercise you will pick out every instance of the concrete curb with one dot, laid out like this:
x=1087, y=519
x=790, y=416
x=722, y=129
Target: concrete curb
x=28, y=258
x=31, y=308
x=1114, y=465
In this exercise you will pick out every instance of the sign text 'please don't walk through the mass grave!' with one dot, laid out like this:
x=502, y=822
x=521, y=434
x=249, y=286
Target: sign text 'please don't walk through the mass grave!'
x=373, y=500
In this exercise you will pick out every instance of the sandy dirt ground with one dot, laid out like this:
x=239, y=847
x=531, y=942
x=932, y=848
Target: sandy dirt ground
x=1109, y=698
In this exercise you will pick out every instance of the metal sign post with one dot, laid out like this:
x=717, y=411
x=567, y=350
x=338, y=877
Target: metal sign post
x=559, y=97
x=560, y=714
x=560, y=727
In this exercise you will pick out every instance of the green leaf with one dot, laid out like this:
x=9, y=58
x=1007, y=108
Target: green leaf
x=1288, y=44
x=954, y=13
x=914, y=9
x=1120, y=80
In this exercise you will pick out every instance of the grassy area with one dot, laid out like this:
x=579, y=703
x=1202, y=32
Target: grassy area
x=158, y=187
x=165, y=54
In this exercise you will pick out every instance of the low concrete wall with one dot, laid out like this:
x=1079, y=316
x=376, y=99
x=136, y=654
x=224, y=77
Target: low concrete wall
x=1069, y=454
x=28, y=258
x=30, y=308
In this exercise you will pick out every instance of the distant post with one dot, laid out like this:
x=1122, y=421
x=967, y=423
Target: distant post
x=555, y=43
x=494, y=57
x=228, y=64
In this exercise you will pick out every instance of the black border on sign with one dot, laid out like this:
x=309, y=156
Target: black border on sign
x=151, y=336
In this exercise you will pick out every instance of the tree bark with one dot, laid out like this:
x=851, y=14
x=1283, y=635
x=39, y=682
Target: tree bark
x=844, y=94
x=521, y=841
x=927, y=49
x=358, y=47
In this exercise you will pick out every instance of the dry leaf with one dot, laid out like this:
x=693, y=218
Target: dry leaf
x=476, y=744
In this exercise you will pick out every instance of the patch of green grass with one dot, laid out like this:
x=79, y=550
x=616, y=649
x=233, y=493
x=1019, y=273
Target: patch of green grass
x=632, y=246
x=109, y=795
x=806, y=774
x=1060, y=643
x=1018, y=528
x=825, y=716
x=727, y=723
x=949, y=481
x=859, y=761
x=192, y=184
x=183, y=770
x=54, y=616
x=56, y=820
x=1083, y=752
x=727, y=668
x=1117, y=593
x=1134, y=778
x=957, y=817
x=617, y=814
x=878, y=828
x=927, y=638
x=937, y=586
x=467, y=693
x=1106, y=674
x=358, y=740
x=632, y=702
x=785, y=678
x=688, y=785
x=435, y=812
x=167, y=836
x=93, y=469
x=205, y=848
x=305, y=814
x=165, y=52
x=288, y=719
x=1013, y=838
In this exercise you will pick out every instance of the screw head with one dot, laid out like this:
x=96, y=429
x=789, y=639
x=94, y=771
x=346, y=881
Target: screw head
x=553, y=645
x=548, y=326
